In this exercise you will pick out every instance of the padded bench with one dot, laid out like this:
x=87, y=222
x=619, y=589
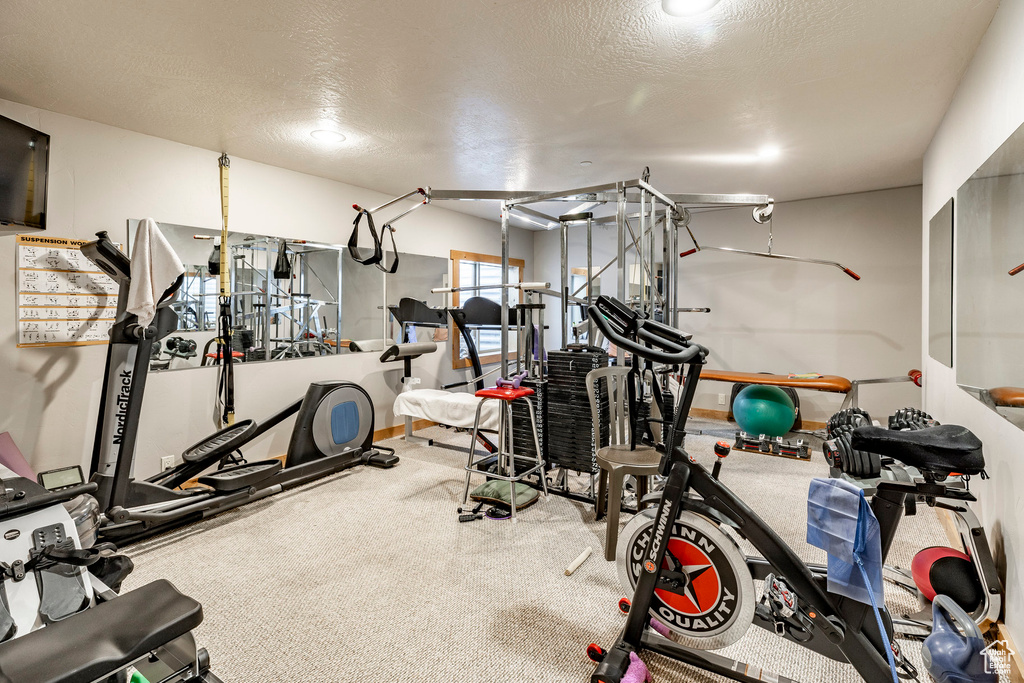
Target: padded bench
x=1007, y=397
x=101, y=640
x=829, y=383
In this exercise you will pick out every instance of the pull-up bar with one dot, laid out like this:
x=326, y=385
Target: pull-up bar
x=530, y=286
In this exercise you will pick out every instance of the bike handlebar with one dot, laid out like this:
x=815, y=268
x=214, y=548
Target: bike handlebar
x=667, y=345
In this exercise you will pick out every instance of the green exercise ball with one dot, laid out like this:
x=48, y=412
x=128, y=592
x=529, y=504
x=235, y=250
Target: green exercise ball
x=760, y=409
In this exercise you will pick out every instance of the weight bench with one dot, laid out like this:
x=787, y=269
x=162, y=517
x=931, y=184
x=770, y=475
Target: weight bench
x=104, y=639
x=829, y=383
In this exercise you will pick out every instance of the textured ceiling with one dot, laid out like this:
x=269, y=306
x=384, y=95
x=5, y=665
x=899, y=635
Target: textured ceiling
x=513, y=94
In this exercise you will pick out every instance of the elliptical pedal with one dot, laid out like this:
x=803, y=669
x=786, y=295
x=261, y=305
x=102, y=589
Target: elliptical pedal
x=241, y=476
x=384, y=460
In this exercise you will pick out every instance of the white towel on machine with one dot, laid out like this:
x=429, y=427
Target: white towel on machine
x=155, y=267
x=455, y=409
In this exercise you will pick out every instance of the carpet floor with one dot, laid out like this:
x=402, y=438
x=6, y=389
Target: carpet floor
x=367, y=576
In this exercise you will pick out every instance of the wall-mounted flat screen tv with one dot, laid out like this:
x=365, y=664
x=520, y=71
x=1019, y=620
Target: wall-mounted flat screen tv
x=24, y=158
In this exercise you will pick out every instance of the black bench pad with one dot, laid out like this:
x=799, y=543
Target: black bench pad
x=101, y=640
x=944, y=448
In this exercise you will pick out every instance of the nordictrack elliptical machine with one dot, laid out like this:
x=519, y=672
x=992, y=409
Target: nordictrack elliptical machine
x=333, y=431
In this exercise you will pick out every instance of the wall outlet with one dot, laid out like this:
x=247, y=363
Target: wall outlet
x=166, y=462
x=721, y=399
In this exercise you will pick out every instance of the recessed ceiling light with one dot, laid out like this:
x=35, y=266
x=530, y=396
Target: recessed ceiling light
x=686, y=8
x=324, y=135
x=586, y=163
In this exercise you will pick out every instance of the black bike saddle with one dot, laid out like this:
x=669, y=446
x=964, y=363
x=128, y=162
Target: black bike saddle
x=943, y=449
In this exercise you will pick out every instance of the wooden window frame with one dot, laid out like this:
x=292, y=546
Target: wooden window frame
x=456, y=257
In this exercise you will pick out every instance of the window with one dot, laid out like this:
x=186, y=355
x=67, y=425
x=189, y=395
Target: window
x=469, y=270
x=197, y=300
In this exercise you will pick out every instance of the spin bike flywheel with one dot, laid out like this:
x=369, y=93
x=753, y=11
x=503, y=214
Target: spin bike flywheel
x=715, y=605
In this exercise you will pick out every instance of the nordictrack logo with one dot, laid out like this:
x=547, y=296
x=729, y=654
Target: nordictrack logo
x=121, y=413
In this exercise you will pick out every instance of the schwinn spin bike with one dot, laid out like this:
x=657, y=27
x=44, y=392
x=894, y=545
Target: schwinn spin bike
x=690, y=579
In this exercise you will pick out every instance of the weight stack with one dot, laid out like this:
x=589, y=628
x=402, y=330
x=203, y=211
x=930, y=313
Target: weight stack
x=522, y=433
x=570, y=438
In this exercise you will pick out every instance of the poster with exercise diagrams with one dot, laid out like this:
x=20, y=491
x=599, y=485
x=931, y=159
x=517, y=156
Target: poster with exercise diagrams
x=63, y=298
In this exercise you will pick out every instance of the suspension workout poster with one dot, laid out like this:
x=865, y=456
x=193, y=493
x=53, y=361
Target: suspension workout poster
x=63, y=298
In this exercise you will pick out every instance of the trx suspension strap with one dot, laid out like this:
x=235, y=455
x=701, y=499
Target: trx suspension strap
x=377, y=257
x=226, y=385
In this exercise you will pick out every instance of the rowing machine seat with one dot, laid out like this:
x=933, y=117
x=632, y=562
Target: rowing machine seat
x=101, y=640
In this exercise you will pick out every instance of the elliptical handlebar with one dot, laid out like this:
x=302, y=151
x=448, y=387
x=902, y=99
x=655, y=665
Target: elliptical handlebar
x=660, y=343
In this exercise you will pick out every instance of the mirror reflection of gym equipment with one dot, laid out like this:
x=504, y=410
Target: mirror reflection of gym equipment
x=285, y=297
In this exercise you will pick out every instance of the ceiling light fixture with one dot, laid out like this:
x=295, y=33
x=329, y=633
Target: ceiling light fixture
x=324, y=135
x=769, y=153
x=686, y=8
x=586, y=163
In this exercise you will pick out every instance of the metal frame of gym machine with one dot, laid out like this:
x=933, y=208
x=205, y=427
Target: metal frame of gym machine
x=670, y=212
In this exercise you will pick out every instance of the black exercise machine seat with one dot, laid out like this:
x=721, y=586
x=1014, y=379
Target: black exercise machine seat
x=103, y=639
x=943, y=449
x=418, y=313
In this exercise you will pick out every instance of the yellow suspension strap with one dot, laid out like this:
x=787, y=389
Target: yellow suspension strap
x=226, y=385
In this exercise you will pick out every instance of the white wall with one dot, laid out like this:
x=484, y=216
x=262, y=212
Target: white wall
x=101, y=176
x=987, y=107
x=783, y=317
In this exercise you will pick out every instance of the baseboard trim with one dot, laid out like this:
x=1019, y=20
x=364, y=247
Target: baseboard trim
x=399, y=430
x=808, y=425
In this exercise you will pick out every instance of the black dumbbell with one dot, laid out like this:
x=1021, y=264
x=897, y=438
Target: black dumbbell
x=850, y=418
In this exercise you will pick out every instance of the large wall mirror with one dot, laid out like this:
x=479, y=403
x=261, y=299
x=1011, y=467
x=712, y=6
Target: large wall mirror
x=367, y=289
x=940, y=287
x=990, y=301
x=290, y=298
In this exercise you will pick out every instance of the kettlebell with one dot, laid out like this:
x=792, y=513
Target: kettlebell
x=949, y=655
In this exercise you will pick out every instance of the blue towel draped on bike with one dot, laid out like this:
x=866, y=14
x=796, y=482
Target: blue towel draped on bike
x=840, y=522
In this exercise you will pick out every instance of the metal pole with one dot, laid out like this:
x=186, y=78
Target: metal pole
x=337, y=328
x=620, y=221
x=642, y=257
x=590, y=274
x=671, y=268
x=654, y=269
x=384, y=307
x=564, y=291
x=266, y=301
x=504, y=289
